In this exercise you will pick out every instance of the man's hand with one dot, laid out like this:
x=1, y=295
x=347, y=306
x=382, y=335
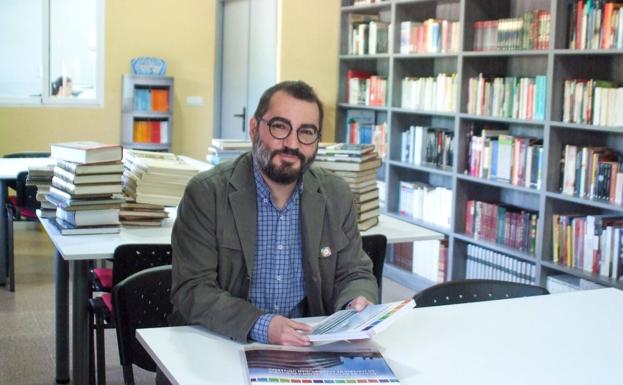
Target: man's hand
x=283, y=331
x=358, y=304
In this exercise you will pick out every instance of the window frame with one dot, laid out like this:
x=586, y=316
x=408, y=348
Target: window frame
x=45, y=99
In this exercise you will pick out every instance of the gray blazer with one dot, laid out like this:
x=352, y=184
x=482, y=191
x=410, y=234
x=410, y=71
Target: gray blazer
x=214, y=240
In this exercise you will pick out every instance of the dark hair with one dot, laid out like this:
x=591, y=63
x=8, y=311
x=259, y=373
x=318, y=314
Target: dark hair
x=56, y=85
x=297, y=89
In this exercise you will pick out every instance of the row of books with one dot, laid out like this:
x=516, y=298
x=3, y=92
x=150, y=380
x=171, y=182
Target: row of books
x=428, y=259
x=595, y=24
x=433, y=146
x=531, y=31
x=432, y=35
x=151, y=131
x=151, y=99
x=367, y=34
x=41, y=178
x=436, y=93
x=497, y=155
x=590, y=101
x=368, y=91
x=507, y=97
x=591, y=243
x=487, y=264
x=424, y=202
x=592, y=173
x=506, y=225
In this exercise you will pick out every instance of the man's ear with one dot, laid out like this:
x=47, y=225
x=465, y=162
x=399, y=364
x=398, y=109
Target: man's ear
x=252, y=126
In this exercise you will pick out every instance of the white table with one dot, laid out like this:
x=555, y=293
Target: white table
x=9, y=169
x=82, y=249
x=571, y=338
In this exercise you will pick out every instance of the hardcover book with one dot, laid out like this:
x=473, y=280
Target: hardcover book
x=86, y=152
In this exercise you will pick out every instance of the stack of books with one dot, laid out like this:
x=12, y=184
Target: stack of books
x=357, y=164
x=226, y=149
x=155, y=178
x=85, y=187
x=41, y=177
x=141, y=214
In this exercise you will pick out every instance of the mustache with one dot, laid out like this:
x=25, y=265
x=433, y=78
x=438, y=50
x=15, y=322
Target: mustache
x=289, y=151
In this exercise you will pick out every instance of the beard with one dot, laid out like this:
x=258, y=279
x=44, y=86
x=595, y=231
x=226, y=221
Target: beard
x=286, y=173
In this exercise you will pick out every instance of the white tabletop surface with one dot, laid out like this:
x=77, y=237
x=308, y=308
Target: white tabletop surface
x=10, y=167
x=570, y=338
x=102, y=246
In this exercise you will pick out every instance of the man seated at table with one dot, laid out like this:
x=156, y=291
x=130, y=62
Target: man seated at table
x=264, y=238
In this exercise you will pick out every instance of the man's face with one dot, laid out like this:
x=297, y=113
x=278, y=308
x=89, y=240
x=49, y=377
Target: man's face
x=284, y=161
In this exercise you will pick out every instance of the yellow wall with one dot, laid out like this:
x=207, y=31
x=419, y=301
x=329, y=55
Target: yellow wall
x=183, y=33
x=308, y=50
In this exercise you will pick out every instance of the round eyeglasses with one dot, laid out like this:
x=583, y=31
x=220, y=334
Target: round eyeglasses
x=280, y=128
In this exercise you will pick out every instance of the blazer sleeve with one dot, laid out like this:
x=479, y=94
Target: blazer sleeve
x=197, y=294
x=353, y=274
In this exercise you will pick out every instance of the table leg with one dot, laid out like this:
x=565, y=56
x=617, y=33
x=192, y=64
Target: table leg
x=80, y=317
x=3, y=230
x=62, y=319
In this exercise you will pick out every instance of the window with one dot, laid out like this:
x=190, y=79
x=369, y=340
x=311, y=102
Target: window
x=53, y=52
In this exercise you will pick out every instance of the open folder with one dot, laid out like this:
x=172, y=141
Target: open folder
x=353, y=325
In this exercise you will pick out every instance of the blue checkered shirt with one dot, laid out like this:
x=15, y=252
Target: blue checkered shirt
x=277, y=285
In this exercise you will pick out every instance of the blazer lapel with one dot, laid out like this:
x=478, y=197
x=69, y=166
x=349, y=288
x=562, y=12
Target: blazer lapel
x=312, y=217
x=243, y=201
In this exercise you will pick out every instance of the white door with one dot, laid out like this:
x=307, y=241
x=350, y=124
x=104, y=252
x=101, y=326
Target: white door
x=248, y=36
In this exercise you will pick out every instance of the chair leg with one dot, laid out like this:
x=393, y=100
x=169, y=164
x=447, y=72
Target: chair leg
x=10, y=250
x=101, y=350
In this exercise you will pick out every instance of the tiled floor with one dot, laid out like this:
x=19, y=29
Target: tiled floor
x=27, y=347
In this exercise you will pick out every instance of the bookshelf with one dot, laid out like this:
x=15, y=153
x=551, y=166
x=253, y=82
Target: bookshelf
x=542, y=65
x=147, y=112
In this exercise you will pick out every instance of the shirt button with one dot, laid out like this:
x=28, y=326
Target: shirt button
x=265, y=200
x=281, y=217
x=276, y=307
x=279, y=247
x=278, y=278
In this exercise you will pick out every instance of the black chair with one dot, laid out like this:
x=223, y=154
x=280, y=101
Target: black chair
x=127, y=260
x=140, y=301
x=20, y=207
x=474, y=290
x=375, y=246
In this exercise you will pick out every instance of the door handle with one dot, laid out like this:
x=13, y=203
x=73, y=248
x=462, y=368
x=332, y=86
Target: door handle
x=244, y=118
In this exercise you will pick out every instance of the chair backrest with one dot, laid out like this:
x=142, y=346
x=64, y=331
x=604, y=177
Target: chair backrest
x=375, y=246
x=474, y=290
x=142, y=300
x=27, y=154
x=131, y=258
